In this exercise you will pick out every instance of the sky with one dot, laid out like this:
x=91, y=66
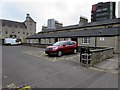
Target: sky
x=67, y=12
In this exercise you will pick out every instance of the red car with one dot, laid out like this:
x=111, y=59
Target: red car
x=61, y=47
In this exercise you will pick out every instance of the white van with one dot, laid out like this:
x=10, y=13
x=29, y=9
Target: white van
x=11, y=41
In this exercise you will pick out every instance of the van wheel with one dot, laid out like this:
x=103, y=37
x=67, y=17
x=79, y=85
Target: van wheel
x=75, y=51
x=9, y=44
x=59, y=53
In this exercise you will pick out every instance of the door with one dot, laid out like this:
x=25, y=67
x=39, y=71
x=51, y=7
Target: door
x=67, y=47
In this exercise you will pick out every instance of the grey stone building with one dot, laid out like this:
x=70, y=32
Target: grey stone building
x=19, y=30
x=104, y=33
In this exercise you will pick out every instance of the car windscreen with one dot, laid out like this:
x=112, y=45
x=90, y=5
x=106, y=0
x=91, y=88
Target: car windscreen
x=58, y=44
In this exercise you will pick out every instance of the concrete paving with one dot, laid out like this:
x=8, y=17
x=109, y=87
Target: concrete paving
x=109, y=64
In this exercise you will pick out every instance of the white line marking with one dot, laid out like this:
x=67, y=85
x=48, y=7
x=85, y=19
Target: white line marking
x=5, y=76
x=54, y=59
x=12, y=85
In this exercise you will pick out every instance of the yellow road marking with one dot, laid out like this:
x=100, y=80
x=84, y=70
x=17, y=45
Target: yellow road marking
x=25, y=88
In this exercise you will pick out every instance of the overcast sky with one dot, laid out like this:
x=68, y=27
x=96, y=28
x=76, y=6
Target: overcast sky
x=67, y=12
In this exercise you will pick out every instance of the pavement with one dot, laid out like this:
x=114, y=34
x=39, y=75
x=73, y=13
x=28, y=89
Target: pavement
x=109, y=64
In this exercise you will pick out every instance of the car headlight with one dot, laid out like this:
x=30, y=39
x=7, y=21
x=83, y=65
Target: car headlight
x=55, y=48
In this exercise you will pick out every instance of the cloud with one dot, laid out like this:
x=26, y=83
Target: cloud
x=9, y=9
x=66, y=11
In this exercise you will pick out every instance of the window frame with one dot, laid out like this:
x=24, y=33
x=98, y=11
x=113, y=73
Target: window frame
x=6, y=32
x=72, y=43
x=67, y=43
x=86, y=40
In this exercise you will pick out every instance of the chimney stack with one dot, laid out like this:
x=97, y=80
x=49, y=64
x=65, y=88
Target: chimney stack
x=83, y=20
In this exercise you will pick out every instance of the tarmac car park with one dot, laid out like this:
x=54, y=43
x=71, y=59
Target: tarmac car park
x=26, y=65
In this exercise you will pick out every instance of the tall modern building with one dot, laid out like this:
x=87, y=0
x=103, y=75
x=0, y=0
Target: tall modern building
x=52, y=24
x=103, y=11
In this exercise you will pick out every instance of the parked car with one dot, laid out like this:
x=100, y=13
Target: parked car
x=61, y=47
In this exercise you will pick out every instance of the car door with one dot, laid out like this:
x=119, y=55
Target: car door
x=67, y=47
x=72, y=44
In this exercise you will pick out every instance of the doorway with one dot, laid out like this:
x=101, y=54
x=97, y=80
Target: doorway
x=74, y=39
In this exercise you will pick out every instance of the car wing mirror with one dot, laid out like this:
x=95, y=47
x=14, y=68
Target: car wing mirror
x=64, y=45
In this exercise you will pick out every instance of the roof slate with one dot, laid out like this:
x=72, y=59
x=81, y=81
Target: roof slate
x=13, y=23
x=79, y=33
x=91, y=24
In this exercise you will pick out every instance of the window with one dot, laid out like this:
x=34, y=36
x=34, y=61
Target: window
x=85, y=40
x=99, y=10
x=15, y=26
x=20, y=26
x=104, y=9
x=12, y=32
x=102, y=38
x=23, y=32
x=9, y=25
x=13, y=36
x=109, y=26
x=72, y=43
x=30, y=23
x=18, y=32
x=50, y=41
x=67, y=43
x=6, y=32
x=104, y=18
x=102, y=14
x=3, y=24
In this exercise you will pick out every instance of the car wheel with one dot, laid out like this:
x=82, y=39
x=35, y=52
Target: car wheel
x=59, y=53
x=75, y=51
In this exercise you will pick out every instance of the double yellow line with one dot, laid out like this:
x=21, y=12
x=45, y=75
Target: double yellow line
x=25, y=88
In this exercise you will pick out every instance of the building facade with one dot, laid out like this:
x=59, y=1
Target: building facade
x=104, y=33
x=52, y=24
x=103, y=11
x=19, y=30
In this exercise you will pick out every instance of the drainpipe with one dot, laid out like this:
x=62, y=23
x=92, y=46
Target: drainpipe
x=95, y=41
x=39, y=40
